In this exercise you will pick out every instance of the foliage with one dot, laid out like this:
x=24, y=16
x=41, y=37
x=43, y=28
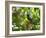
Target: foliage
x=25, y=18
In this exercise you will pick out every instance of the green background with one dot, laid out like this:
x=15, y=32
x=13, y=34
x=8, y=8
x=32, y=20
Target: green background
x=25, y=18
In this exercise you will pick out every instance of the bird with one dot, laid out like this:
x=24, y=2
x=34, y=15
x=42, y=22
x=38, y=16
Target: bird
x=29, y=17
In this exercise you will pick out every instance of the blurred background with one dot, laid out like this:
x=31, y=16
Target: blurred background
x=25, y=18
